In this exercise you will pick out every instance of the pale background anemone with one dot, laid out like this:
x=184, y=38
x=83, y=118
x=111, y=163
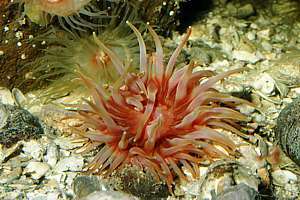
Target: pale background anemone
x=67, y=57
x=160, y=119
x=71, y=14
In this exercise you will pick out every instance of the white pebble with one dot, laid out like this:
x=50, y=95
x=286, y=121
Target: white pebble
x=36, y=169
x=73, y=163
x=265, y=83
x=33, y=149
x=282, y=177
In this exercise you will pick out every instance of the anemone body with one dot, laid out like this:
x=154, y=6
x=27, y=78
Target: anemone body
x=160, y=119
x=59, y=7
x=71, y=14
x=67, y=56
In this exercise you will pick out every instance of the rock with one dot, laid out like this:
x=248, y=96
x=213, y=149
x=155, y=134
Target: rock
x=42, y=195
x=264, y=34
x=52, y=154
x=72, y=163
x=109, y=195
x=238, y=192
x=245, y=56
x=3, y=117
x=266, y=46
x=6, y=96
x=282, y=177
x=265, y=83
x=245, y=11
x=66, y=143
x=12, y=195
x=288, y=130
x=289, y=191
x=85, y=185
x=5, y=154
x=11, y=176
x=36, y=169
x=18, y=125
x=251, y=35
x=222, y=175
x=142, y=184
x=33, y=149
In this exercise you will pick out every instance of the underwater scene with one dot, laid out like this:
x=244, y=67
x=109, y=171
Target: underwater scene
x=149, y=100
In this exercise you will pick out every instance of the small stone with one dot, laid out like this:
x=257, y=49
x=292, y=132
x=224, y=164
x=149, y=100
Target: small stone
x=240, y=192
x=6, y=96
x=12, y=195
x=36, y=195
x=265, y=83
x=85, y=185
x=246, y=109
x=66, y=143
x=266, y=46
x=109, y=195
x=73, y=163
x=10, y=177
x=36, y=169
x=4, y=114
x=251, y=35
x=132, y=180
x=264, y=34
x=282, y=177
x=245, y=56
x=33, y=149
x=245, y=11
x=52, y=154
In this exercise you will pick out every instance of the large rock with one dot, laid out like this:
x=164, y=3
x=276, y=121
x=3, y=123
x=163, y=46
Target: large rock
x=288, y=130
x=17, y=124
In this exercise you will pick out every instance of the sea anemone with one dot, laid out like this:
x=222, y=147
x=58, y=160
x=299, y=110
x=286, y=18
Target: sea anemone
x=67, y=55
x=70, y=13
x=162, y=119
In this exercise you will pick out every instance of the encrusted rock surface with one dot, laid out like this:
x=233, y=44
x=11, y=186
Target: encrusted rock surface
x=288, y=130
x=17, y=124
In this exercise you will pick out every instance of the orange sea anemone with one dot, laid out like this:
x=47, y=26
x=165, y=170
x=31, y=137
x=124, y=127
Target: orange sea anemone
x=160, y=119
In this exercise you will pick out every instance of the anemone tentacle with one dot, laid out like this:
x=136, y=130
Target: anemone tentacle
x=162, y=118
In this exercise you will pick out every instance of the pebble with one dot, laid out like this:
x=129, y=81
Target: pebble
x=36, y=195
x=109, y=195
x=34, y=149
x=264, y=34
x=245, y=56
x=265, y=83
x=8, y=178
x=52, y=154
x=239, y=192
x=282, y=177
x=72, y=163
x=251, y=35
x=85, y=185
x=4, y=114
x=36, y=169
x=66, y=143
x=245, y=11
x=6, y=96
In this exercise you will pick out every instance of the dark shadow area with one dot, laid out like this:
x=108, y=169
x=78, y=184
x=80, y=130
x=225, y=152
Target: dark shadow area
x=191, y=11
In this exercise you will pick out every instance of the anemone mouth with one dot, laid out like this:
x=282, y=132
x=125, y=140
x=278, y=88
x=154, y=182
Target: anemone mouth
x=160, y=119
